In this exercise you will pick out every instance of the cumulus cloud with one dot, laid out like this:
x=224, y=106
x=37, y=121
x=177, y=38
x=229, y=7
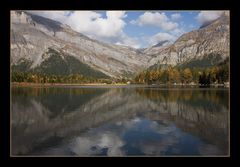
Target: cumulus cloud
x=89, y=22
x=160, y=37
x=128, y=41
x=176, y=16
x=205, y=17
x=133, y=22
x=121, y=39
x=93, y=24
x=55, y=15
x=110, y=28
x=93, y=144
x=169, y=31
x=156, y=19
x=178, y=32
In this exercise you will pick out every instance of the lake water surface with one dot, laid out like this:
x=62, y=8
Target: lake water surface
x=119, y=121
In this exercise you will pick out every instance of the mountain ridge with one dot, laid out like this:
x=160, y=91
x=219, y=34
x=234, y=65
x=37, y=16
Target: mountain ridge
x=30, y=40
x=32, y=36
x=196, y=44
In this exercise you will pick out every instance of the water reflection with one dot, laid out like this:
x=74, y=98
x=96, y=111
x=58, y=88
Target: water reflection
x=119, y=121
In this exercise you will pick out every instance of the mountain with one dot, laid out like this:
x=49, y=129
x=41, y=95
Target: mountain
x=207, y=46
x=155, y=49
x=34, y=38
x=43, y=45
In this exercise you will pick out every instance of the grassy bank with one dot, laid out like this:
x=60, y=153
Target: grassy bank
x=28, y=84
x=62, y=84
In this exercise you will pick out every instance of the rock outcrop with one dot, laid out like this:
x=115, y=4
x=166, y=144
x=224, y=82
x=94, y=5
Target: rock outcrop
x=32, y=36
x=212, y=39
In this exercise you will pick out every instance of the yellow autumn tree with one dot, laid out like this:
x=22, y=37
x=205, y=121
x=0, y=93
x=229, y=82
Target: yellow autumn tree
x=187, y=75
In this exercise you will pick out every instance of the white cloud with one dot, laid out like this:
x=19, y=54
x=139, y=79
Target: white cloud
x=176, y=16
x=204, y=17
x=55, y=15
x=94, y=25
x=110, y=28
x=133, y=22
x=178, y=32
x=83, y=145
x=156, y=19
x=160, y=37
x=128, y=41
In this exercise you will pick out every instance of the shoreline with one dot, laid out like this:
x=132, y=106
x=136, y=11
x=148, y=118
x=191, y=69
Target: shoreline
x=26, y=84
x=62, y=84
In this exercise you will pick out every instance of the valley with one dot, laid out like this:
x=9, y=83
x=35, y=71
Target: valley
x=47, y=51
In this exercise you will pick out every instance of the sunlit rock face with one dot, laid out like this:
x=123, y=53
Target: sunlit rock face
x=102, y=121
x=213, y=39
x=32, y=36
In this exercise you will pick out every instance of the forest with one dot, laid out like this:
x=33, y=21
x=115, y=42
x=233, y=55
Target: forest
x=168, y=75
x=177, y=75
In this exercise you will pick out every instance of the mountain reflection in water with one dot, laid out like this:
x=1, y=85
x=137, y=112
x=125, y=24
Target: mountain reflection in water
x=119, y=121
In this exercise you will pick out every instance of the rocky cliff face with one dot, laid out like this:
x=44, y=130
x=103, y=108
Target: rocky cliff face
x=32, y=36
x=212, y=39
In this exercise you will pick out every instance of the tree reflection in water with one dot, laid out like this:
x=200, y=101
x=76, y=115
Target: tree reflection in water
x=119, y=121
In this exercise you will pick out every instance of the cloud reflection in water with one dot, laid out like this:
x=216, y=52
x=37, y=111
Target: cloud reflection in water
x=115, y=122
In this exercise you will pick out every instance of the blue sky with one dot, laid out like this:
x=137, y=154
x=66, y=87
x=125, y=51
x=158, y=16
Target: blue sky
x=138, y=29
x=187, y=22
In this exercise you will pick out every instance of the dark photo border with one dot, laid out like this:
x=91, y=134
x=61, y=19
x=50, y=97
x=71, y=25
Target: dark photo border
x=123, y=5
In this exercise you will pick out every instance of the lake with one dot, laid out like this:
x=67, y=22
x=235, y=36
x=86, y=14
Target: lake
x=119, y=121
